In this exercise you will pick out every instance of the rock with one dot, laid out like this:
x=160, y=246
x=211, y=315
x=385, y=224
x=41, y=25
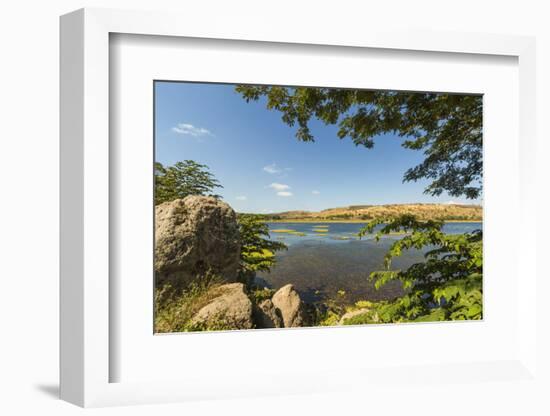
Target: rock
x=352, y=314
x=230, y=310
x=267, y=316
x=193, y=236
x=288, y=302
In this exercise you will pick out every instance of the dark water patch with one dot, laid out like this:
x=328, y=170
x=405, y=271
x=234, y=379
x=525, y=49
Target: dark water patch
x=319, y=270
x=320, y=265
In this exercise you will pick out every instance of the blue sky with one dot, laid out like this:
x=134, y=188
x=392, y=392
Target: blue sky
x=261, y=164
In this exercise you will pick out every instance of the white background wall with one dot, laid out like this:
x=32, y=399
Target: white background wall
x=29, y=187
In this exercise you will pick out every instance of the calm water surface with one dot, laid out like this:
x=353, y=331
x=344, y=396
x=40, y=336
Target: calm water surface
x=321, y=264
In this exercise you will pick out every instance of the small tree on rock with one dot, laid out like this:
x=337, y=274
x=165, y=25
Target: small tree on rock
x=182, y=179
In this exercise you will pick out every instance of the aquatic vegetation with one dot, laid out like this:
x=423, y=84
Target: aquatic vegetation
x=320, y=231
x=288, y=231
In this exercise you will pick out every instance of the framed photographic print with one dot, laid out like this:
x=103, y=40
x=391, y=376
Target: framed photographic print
x=319, y=214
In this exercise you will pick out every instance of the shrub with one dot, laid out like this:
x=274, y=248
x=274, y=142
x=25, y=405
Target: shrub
x=257, y=249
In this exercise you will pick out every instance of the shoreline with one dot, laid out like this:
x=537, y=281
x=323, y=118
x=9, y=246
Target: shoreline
x=351, y=221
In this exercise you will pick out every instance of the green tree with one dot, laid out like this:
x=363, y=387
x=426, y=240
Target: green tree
x=182, y=179
x=446, y=127
x=257, y=249
x=448, y=285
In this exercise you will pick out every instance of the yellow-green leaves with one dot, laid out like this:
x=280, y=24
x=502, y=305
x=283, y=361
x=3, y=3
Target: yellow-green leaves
x=257, y=250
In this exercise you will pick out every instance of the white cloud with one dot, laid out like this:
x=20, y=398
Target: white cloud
x=315, y=192
x=271, y=169
x=186, y=128
x=240, y=198
x=279, y=186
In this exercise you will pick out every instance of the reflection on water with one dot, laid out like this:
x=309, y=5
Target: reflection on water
x=322, y=260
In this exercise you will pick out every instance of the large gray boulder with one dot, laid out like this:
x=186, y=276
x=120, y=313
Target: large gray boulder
x=193, y=236
x=266, y=315
x=231, y=309
x=288, y=302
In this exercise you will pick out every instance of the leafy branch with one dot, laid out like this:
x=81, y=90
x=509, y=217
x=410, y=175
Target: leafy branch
x=448, y=283
x=446, y=127
x=257, y=249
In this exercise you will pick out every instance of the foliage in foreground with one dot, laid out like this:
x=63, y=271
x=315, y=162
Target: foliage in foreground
x=447, y=286
x=257, y=249
x=446, y=127
x=182, y=179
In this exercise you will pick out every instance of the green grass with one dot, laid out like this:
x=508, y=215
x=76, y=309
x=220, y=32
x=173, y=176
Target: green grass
x=174, y=311
x=365, y=318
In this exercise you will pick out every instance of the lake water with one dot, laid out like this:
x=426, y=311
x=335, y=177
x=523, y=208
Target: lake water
x=319, y=264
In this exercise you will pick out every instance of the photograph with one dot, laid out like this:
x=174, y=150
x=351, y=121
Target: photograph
x=304, y=206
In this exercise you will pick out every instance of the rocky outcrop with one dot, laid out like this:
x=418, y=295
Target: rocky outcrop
x=232, y=309
x=352, y=314
x=288, y=302
x=194, y=236
x=266, y=315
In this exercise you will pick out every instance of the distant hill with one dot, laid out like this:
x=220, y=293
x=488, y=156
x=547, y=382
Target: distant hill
x=446, y=212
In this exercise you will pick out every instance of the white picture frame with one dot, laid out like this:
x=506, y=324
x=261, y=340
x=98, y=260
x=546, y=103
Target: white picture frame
x=86, y=356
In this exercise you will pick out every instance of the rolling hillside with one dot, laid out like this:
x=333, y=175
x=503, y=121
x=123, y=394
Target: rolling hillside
x=447, y=212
